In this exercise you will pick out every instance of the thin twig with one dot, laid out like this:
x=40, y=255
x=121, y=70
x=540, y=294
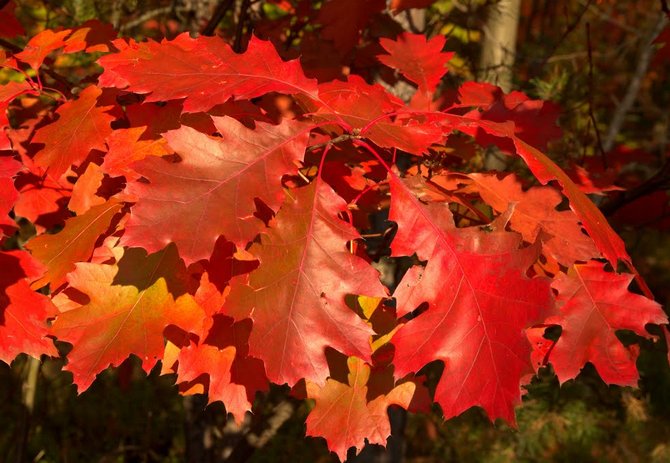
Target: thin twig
x=339, y=139
x=658, y=182
x=47, y=62
x=9, y=46
x=644, y=58
x=571, y=27
x=147, y=16
x=239, y=28
x=592, y=115
x=220, y=13
x=612, y=20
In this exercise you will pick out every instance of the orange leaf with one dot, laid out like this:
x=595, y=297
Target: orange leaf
x=119, y=320
x=81, y=127
x=343, y=415
x=74, y=243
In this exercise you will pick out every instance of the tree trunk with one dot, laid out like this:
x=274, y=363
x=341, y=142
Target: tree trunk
x=499, y=44
x=496, y=61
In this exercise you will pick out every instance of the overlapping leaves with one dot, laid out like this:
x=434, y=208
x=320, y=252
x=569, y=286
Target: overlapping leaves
x=171, y=204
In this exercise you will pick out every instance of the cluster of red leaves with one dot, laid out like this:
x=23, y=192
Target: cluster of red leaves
x=181, y=217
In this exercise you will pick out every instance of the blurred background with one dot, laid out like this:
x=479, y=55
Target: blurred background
x=603, y=63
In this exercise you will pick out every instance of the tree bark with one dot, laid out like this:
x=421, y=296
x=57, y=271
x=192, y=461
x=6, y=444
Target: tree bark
x=496, y=61
x=499, y=44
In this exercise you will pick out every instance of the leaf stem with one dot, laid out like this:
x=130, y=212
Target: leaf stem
x=374, y=152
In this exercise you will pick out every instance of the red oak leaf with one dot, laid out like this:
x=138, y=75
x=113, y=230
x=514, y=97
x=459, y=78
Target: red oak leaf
x=92, y=36
x=296, y=296
x=373, y=109
x=195, y=360
x=594, y=181
x=119, y=320
x=541, y=346
x=479, y=302
x=84, y=191
x=41, y=45
x=343, y=20
x=81, y=127
x=124, y=147
x=140, y=269
x=211, y=191
x=609, y=243
x=246, y=370
x=534, y=120
x=545, y=170
x=5, y=142
x=156, y=118
x=8, y=194
x=74, y=243
x=343, y=415
x=16, y=266
x=11, y=27
x=400, y=5
x=225, y=263
x=651, y=210
x=42, y=200
x=8, y=92
x=593, y=305
x=662, y=54
x=534, y=210
x=8, y=61
x=23, y=328
x=234, y=378
x=419, y=60
x=205, y=71
x=23, y=312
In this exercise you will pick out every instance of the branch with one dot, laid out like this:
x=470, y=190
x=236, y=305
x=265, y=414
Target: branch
x=592, y=114
x=150, y=15
x=659, y=181
x=219, y=14
x=664, y=8
x=610, y=19
x=47, y=62
x=343, y=137
x=239, y=29
x=571, y=27
x=9, y=46
x=646, y=51
x=265, y=429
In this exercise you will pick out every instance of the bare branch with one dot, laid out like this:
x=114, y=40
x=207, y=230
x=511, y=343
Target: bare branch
x=592, y=114
x=644, y=58
x=239, y=29
x=658, y=182
x=219, y=14
x=147, y=16
x=664, y=8
x=568, y=30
